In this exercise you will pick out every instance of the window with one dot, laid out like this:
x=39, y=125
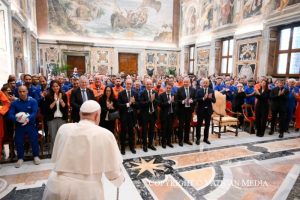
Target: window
x=288, y=62
x=226, y=56
x=191, y=59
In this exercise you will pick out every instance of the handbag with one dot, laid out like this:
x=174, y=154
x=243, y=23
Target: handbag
x=113, y=115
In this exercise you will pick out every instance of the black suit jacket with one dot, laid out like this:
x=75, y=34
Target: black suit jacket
x=122, y=102
x=49, y=113
x=207, y=103
x=145, y=103
x=263, y=100
x=165, y=106
x=104, y=108
x=76, y=102
x=279, y=102
x=180, y=96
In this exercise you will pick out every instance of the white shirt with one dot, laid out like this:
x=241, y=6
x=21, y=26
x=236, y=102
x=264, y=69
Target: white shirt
x=57, y=113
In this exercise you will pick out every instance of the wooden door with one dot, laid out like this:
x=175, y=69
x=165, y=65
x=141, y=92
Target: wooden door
x=128, y=63
x=76, y=61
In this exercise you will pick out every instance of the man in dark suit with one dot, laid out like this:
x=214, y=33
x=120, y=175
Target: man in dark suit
x=279, y=100
x=205, y=97
x=148, y=106
x=167, y=110
x=185, y=98
x=127, y=107
x=79, y=96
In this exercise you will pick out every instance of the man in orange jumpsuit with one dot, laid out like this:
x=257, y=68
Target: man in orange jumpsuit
x=4, y=107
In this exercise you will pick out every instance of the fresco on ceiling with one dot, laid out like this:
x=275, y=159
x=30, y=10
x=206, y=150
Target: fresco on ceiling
x=150, y=20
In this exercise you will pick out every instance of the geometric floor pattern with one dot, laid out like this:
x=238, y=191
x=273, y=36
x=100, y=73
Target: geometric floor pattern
x=244, y=167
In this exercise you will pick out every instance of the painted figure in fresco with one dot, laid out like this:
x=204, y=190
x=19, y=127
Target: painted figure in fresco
x=133, y=18
x=207, y=16
x=227, y=9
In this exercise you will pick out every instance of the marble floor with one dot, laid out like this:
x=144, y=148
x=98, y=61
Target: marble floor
x=231, y=168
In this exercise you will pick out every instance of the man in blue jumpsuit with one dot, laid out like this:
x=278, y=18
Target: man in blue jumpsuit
x=28, y=105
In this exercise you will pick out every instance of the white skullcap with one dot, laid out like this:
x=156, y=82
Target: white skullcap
x=90, y=106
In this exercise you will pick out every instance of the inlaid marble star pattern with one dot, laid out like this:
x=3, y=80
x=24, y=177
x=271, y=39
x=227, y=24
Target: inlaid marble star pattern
x=149, y=166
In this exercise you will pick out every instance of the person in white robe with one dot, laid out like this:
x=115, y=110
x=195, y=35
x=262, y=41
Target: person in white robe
x=82, y=152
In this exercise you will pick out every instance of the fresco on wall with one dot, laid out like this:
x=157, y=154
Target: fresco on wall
x=248, y=51
x=206, y=15
x=150, y=20
x=252, y=8
x=281, y=4
x=246, y=70
x=190, y=16
x=2, y=31
x=202, y=62
x=223, y=12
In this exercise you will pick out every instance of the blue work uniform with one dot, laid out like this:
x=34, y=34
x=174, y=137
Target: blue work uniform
x=251, y=99
x=29, y=106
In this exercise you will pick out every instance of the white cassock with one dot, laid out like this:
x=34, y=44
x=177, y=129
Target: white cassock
x=82, y=152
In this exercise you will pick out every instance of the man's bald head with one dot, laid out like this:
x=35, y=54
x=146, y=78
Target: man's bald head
x=23, y=92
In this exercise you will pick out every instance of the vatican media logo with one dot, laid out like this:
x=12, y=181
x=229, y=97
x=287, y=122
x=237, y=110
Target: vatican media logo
x=243, y=183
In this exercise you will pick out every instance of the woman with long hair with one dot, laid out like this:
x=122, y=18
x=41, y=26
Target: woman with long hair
x=262, y=107
x=56, y=109
x=108, y=105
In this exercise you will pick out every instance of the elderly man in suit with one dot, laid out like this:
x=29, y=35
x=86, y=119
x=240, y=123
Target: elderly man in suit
x=128, y=106
x=148, y=105
x=167, y=114
x=205, y=97
x=185, y=98
x=79, y=96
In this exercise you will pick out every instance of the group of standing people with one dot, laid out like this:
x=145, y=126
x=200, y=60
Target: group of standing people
x=143, y=103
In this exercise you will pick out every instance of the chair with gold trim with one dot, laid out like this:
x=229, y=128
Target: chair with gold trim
x=220, y=118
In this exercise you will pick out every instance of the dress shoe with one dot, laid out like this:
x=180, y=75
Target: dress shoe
x=206, y=141
x=281, y=135
x=297, y=129
x=145, y=149
x=188, y=142
x=123, y=151
x=133, y=150
x=181, y=143
x=271, y=133
x=170, y=145
x=152, y=147
x=259, y=135
x=163, y=146
x=197, y=142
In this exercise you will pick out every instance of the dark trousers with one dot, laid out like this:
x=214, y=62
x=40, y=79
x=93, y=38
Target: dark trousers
x=184, y=117
x=32, y=133
x=289, y=117
x=148, y=123
x=282, y=118
x=206, y=116
x=109, y=125
x=167, y=129
x=261, y=120
x=127, y=124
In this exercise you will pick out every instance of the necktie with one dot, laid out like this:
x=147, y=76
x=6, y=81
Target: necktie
x=171, y=109
x=128, y=95
x=205, y=90
x=187, y=93
x=83, y=95
x=151, y=106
